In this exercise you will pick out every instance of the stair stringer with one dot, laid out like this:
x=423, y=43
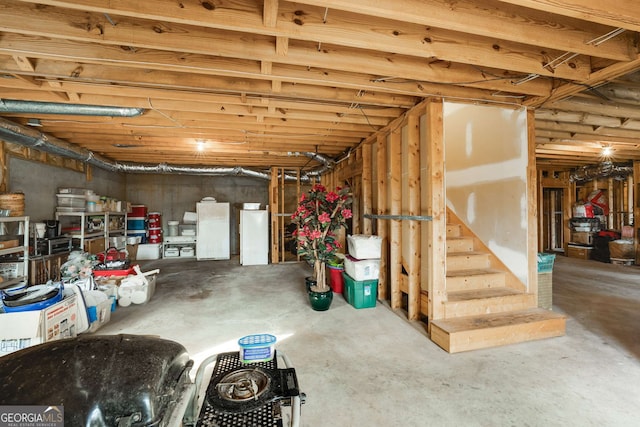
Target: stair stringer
x=511, y=280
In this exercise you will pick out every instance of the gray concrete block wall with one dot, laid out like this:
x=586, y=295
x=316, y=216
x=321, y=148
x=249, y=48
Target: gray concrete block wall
x=40, y=183
x=171, y=195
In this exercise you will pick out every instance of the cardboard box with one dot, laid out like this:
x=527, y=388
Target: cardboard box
x=582, y=237
x=6, y=244
x=11, y=270
x=94, y=246
x=26, y=328
x=133, y=251
x=582, y=252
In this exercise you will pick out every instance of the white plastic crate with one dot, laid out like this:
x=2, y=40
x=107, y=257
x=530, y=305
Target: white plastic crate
x=364, y=247
x=71, y=200
x=363, y=269
x=149, y=251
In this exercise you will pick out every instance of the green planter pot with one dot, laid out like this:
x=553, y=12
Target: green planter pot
x=309, y=281
x=320, y=301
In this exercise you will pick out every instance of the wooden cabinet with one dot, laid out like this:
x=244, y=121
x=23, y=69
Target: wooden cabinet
x=46, y=267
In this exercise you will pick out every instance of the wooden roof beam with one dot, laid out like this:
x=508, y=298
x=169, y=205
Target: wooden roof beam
x=490, y=19
x=624, y=14
x=270, y=13
x=54, y=23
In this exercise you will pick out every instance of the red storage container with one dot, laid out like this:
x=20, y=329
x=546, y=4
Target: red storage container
x=336, y=280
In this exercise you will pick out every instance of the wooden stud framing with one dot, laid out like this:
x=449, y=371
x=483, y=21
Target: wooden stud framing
x=3, y=168
x=532, y=206
x=636, y=208
x=382, y=225
x=395, y=188
x=436, y=256
x=273, y=208
x=413, y=172
x=281, y=218
x=367, y=196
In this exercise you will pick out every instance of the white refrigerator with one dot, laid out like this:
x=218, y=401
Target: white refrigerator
x=213, y=233
x=254, y=237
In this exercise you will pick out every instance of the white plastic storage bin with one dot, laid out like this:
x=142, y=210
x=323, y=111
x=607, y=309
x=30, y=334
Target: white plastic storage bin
x=71, y=200
x=171, y=252
x=187, y=251
x=149, y=251
x=362, y=269
x=364, y=247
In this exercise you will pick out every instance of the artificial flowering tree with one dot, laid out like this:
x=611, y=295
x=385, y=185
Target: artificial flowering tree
x=319, y=216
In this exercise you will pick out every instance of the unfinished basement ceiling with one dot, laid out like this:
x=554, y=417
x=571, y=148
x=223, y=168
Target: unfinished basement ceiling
x=253, y=83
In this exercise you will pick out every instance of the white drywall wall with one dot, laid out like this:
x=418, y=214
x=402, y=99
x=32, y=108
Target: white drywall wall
x=486, y=177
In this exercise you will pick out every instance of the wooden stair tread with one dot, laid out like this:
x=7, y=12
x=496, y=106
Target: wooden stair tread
x=465, y=295
x=473, y=272
x=450, y=254
x=496, y=329
x=496, y=320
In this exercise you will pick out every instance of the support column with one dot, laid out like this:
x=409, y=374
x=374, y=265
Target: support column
x=367, y=196
x=413, y=257
x=382, y=224
x=532, y=206
x=437, y=228
x=395, y=255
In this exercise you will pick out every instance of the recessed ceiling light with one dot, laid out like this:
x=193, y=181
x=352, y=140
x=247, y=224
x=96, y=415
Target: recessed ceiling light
x=607, y=151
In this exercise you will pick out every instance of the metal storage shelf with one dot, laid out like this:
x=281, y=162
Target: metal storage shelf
x=105, y=233
x=180, y=242
x=24, y=249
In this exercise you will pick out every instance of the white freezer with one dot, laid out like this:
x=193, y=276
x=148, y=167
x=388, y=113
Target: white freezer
x=254, y=237
x=213, y=233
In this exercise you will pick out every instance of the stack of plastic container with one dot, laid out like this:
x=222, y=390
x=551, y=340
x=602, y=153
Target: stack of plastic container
x=154, y=221
x=137, y=222
x=362, y=270
x=71, y=200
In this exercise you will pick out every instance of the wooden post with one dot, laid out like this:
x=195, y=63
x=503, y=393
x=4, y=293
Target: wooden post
x=540, y=207
x=636, y=209
x=3, y=168
x=381, y=210
x=413, y=172
x=298, y=194
x=281, y=218
x=395, y=255
x=273, y=208
x=532, y=206
x=367, y=196
x=436, y=256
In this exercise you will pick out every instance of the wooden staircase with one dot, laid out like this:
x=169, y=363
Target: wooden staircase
x=486, y=305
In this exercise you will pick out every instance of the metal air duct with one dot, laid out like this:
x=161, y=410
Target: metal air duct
x=603, y=170
x=34, y=107
x=29, y=137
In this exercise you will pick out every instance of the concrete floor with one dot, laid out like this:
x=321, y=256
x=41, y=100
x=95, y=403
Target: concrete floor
x=370, y=367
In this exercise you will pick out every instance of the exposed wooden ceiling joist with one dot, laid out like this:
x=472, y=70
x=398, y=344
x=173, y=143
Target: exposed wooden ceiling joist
x=274, y=76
